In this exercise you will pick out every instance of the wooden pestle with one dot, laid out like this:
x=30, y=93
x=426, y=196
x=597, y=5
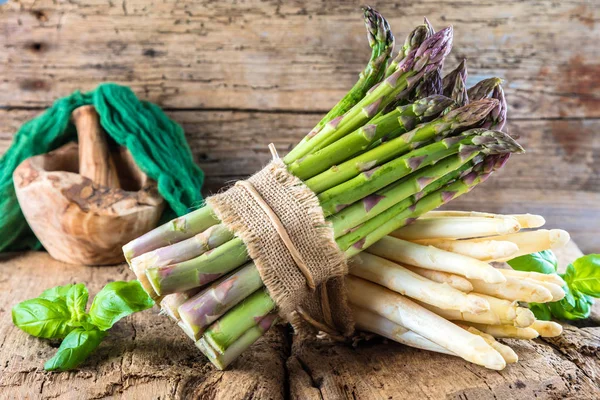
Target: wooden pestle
x=95, y=161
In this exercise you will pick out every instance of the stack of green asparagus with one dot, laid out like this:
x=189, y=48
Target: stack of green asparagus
x=393, y=148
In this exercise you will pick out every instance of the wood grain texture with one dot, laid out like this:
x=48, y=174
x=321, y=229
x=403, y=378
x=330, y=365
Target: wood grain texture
x=294, y=55
x=147, y=356
x=144, y=356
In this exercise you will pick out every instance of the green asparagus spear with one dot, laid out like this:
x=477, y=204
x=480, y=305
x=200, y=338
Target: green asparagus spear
x=394, y=218
x=227, y=329
x=430, y=85
x=457, y=89
x=449, y=81
x=206, y=307
x=465, y=117
x=341, y=196
x=423, y=181
x=483, y=89
x=381, y=41
x=398, y=121
x=200, y=270
x=221, y=361
x=497, y=117
x=427, y=57
x=187, y=249
x=173, y=231
x=412, y=41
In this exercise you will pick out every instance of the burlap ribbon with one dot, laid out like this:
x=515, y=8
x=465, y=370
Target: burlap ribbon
x=285, y=232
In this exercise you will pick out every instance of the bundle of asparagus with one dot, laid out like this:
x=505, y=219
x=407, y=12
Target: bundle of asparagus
x=394, y=148
x=430, y=285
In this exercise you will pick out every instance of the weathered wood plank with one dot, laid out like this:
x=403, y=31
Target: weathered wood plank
x=559, y=177
x=143, y=356
x=288, y=56
x=386, y=370
x=146, y=355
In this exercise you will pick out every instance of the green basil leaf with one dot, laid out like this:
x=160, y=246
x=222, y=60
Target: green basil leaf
x=43, y=318
x=541, y=311
x=84, y=322
x=117, y=300
x=76, y=347
x=76, y=300
x=569, y=274
x=580, y=310
x=569, y=299
x=586, y=276
x=56, y=293
x=544, y=262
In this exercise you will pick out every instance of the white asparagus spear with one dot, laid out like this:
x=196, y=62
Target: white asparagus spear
x=501, y=312
x=556, y=291
x=371, y=322
x=550, y=278
x=525, y=220
x=483, y=250
x=506, y=331
x=529, y=221
x=456, y=281
x=171, y=302
x=430, y=257
x=534, y=241
x=508, y=311
x=514, y=289
x=457, y=228
x=506, y=352
x=399, y=279
x=406, y=313
x=547, y=328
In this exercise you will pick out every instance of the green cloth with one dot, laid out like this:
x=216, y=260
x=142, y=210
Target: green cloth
x=157, y=144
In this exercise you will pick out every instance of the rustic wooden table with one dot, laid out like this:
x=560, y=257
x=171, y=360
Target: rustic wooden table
x=239, y=75
x=147, y=356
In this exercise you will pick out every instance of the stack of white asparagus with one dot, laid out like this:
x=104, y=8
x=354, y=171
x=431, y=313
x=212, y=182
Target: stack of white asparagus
x=430, y=285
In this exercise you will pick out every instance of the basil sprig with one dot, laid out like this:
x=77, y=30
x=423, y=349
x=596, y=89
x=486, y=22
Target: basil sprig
x=582, y=279
x=60, y=313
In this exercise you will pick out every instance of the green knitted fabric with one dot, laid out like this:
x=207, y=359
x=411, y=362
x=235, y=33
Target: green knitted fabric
x=157, y=144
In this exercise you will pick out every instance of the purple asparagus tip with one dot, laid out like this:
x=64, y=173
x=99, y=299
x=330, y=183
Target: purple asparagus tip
x=483, y=89
x=428, y=25
x=458, y=74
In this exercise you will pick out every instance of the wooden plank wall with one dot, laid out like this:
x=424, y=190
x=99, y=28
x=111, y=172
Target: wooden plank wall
x=240, y=74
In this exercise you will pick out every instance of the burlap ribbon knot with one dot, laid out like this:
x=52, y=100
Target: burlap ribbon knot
x=285, y=232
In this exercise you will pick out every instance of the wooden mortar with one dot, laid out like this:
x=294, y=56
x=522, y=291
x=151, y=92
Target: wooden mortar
x=84, y=202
